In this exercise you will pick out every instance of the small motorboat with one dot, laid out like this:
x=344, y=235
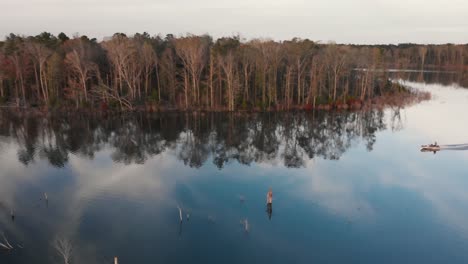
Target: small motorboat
x=430, y=148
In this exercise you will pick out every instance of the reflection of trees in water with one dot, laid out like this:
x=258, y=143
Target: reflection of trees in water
x=195, y=138
x=433, y=77
x=396, y=121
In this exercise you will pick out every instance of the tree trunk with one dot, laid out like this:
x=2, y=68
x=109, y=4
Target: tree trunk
x=2, y=93
x=186, y=89
x=23, y=90
x=335, y=84
x=287, y=91
x=263, y=87
x=43, y=77
x=194, y=90
x=159, y=83
x=299, y=92
x=36, y=77
x=211, y=82
x=246, y=83
x=83, y=83
x=147, y=73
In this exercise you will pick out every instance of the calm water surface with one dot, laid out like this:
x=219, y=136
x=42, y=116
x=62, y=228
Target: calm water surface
x=349, y=187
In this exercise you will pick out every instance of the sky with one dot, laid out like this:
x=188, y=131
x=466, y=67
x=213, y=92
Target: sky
x=343, y=21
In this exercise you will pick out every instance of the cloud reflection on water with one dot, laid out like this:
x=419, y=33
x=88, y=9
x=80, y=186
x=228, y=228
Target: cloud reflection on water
x=438, y=180
x=350, y=189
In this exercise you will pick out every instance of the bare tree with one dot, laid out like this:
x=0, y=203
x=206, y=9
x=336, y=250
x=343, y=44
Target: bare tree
x=192, y=50
x=261, y=64
x=168, y=74
x=80, y=64
x=40, y=54
x=150, y=61
x=123, y=54
x=336, y=59
x=247, y=63
x=21, y=63
x=422, y=55
x=228, y=64
x=274, y=58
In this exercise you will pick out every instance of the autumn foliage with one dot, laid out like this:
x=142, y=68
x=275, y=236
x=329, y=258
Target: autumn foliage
x=198, y=73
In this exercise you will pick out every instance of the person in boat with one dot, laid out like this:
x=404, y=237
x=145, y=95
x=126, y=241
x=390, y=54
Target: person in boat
x=269, y=197
x=435, y=146
x=269, y=203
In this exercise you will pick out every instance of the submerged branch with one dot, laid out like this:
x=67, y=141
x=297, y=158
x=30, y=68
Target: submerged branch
x=64, y=249
x=6, y=245
x=180, y=213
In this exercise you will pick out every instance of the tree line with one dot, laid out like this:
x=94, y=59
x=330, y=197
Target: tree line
x=199, y=73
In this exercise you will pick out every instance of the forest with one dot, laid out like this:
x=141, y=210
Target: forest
x=190, y=72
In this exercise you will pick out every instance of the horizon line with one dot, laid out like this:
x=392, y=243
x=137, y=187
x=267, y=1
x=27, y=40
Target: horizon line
x=241, y=38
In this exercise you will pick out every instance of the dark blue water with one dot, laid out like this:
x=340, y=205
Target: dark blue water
x=348, y=187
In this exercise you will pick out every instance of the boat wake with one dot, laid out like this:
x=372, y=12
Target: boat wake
x=454, y=147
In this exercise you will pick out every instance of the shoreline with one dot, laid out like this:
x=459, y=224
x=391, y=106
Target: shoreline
x=402, y=99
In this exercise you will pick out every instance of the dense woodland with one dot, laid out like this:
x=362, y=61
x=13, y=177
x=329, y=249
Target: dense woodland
x=198, y=73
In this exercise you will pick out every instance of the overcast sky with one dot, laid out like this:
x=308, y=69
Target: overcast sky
x=343, y=21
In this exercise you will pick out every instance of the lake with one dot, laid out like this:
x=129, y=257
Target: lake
x=348, y=187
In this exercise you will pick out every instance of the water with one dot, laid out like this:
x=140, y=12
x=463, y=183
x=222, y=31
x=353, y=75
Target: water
x=347, y=187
